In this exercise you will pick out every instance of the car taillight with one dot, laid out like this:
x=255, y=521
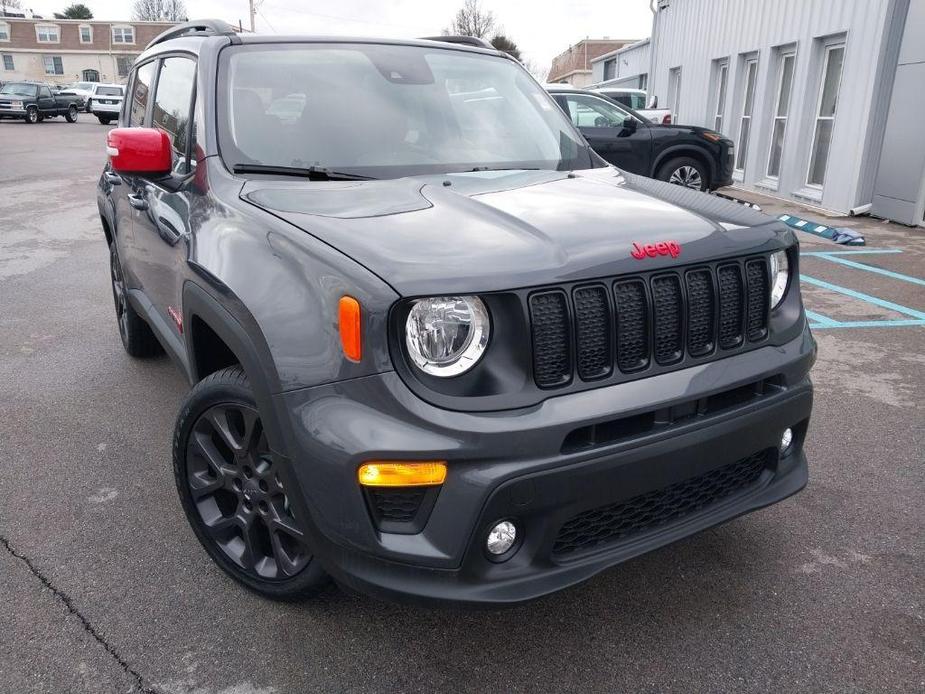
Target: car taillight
x=667, y=119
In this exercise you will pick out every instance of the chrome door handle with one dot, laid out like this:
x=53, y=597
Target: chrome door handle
x=138, y=202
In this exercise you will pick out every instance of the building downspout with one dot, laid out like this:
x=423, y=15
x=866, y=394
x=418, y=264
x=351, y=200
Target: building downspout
x=653, y=45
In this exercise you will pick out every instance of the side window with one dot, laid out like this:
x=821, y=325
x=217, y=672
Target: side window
x=172, y=102
x=140, y=94
x=44, y=93
x=590, y=112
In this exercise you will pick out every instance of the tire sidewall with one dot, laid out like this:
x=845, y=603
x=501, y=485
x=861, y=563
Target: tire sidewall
x=674, y=164
x=214, y=390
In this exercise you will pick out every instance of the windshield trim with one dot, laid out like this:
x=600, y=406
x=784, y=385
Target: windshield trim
x=586, y=158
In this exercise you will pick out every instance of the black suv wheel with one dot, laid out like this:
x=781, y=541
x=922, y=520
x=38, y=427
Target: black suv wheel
x=137, y=337
x=32, y=115
x=233, y=492
x=71, y=115
x=685, y=171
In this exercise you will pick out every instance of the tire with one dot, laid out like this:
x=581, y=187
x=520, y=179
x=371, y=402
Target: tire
x=137, y=337
x=32, y=116
x=71, y=115
x=104, y=120
x=230, y=489
x=685, y=171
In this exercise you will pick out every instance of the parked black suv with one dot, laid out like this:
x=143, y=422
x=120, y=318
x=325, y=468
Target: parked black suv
x=439, y=348
x=685, y=155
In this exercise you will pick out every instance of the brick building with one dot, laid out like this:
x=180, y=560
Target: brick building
x=574, y=65
x=61, y=51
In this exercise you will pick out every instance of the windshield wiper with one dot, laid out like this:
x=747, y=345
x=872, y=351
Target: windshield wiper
x=313, y=173
x=504, y=168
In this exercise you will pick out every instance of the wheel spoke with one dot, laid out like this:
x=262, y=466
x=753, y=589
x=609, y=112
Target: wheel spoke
x=201, y=484
x=251, y=555
x=240, y=436
x=287, y=565
x=203, y=445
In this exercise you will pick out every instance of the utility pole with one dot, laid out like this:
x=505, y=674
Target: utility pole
x=252, y=13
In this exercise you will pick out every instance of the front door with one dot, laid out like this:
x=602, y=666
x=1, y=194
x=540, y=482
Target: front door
x=46, y=101
x=602, y=123
x=161, y=228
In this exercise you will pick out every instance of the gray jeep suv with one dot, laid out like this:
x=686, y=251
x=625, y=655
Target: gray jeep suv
x=440, y=349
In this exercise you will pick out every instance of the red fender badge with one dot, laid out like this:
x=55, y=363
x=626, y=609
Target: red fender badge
x=650, y=250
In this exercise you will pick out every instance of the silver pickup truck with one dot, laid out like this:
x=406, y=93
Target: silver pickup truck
x=636, y=100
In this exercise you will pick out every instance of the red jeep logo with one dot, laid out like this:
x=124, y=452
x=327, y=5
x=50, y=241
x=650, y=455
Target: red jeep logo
x=650, y=250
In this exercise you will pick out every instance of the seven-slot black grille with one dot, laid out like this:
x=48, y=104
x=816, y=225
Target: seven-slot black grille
x=615, y=522
x=635, y=323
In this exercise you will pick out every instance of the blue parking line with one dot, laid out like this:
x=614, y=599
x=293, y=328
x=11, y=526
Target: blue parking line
x=821, y=321
x=871, y=268
x=883, y=303
x=868, y=324
x=866, y=251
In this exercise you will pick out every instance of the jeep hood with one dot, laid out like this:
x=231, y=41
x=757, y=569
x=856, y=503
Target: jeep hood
x=488, y=231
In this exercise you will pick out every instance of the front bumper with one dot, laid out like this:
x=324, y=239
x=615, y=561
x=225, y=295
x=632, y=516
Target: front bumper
x=12, y=112
x=514, y=465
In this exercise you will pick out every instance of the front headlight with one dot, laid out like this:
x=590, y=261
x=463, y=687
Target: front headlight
x=16, y=105
x=447, y=335
x=780, y=275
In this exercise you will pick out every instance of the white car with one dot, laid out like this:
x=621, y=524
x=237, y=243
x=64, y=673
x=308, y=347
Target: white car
x=81, y=89
x=636, y=100
x=105, y=102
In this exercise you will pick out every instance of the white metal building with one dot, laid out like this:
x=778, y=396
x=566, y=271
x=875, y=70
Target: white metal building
x=824, y=98
x=626, y=67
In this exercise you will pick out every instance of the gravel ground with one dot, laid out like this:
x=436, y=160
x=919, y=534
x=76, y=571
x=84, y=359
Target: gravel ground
x=105, y=589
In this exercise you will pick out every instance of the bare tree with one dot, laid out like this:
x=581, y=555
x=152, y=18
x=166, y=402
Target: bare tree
x=538, y=71
x=471, y=20
x=159, y=10
x=10, y=5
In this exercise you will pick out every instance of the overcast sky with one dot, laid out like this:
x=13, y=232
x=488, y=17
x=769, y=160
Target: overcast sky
x=541, y=28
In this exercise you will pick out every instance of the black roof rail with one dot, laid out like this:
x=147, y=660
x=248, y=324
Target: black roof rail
x=464, y=40
x=203, y=27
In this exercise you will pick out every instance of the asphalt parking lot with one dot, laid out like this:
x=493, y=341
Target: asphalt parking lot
x=103, y=587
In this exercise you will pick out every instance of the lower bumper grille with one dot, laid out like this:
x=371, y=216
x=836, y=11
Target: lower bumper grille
x=614, y=522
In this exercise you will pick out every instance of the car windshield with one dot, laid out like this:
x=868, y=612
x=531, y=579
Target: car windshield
x=109, y=91
x=386, y=111
x=18, y=89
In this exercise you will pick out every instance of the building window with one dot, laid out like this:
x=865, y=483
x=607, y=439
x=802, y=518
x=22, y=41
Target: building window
x=643, y=80
x=610, y=69
x=86, y=33
x=8, y=62
x=674, y=93
x=124, y=64
x=47, y=33
x=722, y=78
x=825, y=113
x=4, y=31
x=748, y=103
x=53, y=65
x=123, y=34
x=781, y=110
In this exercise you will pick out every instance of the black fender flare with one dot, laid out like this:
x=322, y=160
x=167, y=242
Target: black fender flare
x=685, y=149
x=240, y=332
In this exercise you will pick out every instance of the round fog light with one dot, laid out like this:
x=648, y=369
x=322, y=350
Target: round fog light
x=501, y=538
x=785, y=440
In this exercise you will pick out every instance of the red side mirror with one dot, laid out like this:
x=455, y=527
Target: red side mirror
x=141, y=150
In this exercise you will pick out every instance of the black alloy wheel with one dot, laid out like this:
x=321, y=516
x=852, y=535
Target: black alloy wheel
x=234, y=494
x=32, y=115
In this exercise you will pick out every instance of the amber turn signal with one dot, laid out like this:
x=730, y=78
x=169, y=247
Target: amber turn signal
x=348, y=322
x=384, y=474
